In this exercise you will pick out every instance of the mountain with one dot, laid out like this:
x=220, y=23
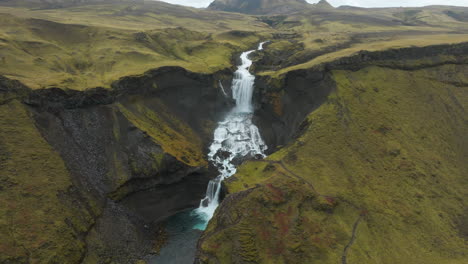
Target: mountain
x=259, y=6
x=323, y=4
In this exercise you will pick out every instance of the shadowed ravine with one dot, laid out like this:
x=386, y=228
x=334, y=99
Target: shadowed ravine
x=235, y=139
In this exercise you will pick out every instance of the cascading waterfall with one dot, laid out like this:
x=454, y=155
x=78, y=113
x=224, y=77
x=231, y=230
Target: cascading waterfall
x=235, y=138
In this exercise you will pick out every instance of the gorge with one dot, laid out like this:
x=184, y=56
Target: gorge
x=236, y=137
x=144, y=132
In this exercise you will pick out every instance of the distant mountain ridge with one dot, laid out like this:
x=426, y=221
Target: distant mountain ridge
x=259, y=6
x=256, y=7
x=262, y=7
x=323, y=4
x=61, y=3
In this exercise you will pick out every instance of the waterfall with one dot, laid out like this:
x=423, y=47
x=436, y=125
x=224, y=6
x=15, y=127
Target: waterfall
x=235, y=138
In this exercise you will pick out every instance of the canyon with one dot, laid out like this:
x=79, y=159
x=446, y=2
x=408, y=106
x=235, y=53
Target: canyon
x=109, y=132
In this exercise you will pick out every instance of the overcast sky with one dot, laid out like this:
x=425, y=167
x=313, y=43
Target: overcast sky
x=362, y=3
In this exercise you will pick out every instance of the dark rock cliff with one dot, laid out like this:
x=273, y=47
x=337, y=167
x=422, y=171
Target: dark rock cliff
x=134, y=155
x=284, y=102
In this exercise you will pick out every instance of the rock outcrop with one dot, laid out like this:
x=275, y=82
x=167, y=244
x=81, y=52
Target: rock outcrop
x=88, y=175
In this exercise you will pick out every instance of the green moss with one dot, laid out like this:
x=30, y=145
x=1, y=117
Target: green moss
x=158, y=160
x=175, y=137
x=37, y=222
x=90, y=46
x=91, y=49
x=386, y=148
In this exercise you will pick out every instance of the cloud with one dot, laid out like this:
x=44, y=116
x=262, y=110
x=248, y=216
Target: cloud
x=361, y=3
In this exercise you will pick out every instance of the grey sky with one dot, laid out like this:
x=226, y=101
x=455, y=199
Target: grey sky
x=362, y=3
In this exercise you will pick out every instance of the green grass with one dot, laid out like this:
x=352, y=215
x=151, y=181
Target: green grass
x=330, y=34
x=174, y=136
x=388, y=146
x=38, y=223
x=84, y=46
x=45, y=54
x=90, y=46
x=394, y=43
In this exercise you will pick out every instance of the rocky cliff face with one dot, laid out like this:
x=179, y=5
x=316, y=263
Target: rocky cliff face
x=283, y=103
x=259, y=6
x=377, y=165
x=108, y=164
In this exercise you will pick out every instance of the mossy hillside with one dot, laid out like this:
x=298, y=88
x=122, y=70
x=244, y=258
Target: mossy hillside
x=260, y=6
x=324, y=35
x=440, y=16
x=311, y=49
x=278, y=220
x=150, y=15
x=385, y=153
x=397, y=43
x=82, y=46
x=41, y=53
x=42, y=220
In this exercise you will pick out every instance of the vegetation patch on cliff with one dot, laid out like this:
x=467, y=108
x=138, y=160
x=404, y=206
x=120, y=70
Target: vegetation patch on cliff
x=175, y=137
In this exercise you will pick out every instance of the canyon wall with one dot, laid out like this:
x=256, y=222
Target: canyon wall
x=107, y=166
x=373, y=173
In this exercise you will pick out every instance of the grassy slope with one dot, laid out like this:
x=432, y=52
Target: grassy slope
x=388, y=149
x=38, y=224
x=392, y=43
x=89, y=46
x=174, y=136
x=326, y=35
x=115, y=40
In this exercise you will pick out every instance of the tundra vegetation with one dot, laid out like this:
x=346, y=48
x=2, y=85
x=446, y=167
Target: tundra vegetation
x=364, y=111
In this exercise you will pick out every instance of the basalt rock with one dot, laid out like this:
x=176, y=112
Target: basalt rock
x=284, y=102
x=134, y=155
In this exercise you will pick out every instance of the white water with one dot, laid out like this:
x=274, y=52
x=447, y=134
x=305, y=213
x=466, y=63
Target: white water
x=235, y=138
